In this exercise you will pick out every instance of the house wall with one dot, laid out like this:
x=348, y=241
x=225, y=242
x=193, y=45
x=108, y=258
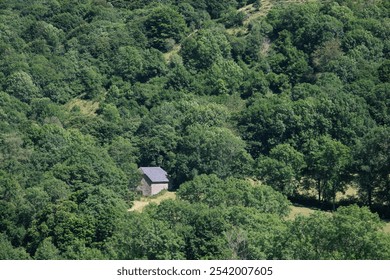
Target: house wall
x=145, y=188
x=156, y=188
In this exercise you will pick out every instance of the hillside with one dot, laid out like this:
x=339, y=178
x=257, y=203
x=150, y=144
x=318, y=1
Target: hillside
x=248, y=105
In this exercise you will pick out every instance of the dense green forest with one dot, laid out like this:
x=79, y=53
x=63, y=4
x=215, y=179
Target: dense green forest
x=249, y=108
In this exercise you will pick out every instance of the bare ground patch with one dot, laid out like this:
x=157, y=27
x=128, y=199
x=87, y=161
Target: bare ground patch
x=139, y=205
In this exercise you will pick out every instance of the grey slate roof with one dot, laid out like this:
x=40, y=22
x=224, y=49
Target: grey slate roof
x=155, y=174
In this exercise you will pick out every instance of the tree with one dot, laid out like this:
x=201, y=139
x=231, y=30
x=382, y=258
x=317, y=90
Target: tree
x=162, y=132
x=254, y=83
x=325, y=53
x=203, y=48
x=233, y=18
x=289, y=60
x=179, y=78
x=230, y=192
x=44, y=110
x=47, y=251
x=358, y=38
x=21, y=85
x=384, y=71
x=128, y=63
x=224, y=77
x=14, y=214
x=164, y=24
x=8, y=252
x=104, y=208
x=379, y=104
x=125, y=155
x=159, y=146
x=147, y=238
x=253, y=235
x=267, y=122
x=211, y=150
x=327, y=162
x=203, y=188
x=373, y=164
x=217, y=8
x=282, y=169
x=344, y=116
x=351, y=233
x=202, y=228
x=307, y=238
x=91, y=80
x=359, y=234
x=12, y=111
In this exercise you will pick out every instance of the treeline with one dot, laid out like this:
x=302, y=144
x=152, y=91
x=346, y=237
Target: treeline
x=92, y=89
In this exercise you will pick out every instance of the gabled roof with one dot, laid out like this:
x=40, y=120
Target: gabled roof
x=155, y=174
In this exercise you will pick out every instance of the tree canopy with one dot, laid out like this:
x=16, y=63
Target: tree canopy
x=248, y=107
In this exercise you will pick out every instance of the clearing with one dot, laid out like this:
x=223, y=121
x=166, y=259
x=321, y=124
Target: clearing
x=139, y=205
x=299, y=210
x=86, y=107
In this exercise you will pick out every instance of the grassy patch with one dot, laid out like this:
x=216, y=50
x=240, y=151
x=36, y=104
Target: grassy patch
x=387, y=227
x=139, y=205
x=175, y=50
x=299, y=210
x=86, y=107
x=350, y=193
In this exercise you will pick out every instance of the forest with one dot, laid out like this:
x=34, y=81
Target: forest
x=251, y=106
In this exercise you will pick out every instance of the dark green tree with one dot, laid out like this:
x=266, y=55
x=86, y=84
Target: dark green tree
x=212, y=150
x=372, y=161
x=282, y=169
x=164, y=24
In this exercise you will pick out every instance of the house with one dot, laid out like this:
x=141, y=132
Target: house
x=154, y=180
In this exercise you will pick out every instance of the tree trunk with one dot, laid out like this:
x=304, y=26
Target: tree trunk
x=334, y=188
x=369, y=196
x=319, y=190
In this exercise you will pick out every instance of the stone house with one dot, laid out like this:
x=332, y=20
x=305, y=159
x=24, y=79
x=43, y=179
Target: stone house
x=154, y=180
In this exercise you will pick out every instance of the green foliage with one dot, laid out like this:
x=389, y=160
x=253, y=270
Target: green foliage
x=351, y=233
x=223, y=78
x=210, y=150
x=128, y=63
x=162, y=25
x=47, y=251
x=215, y=192
x=202, y=49
x=91, y=90
x=21, y=86
x=372, y=165
x=384, y=71
x=289, y=60
x=327, y=163
x=152, y=239
x=283, y=169
x=8, y=252
x=232, y=18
